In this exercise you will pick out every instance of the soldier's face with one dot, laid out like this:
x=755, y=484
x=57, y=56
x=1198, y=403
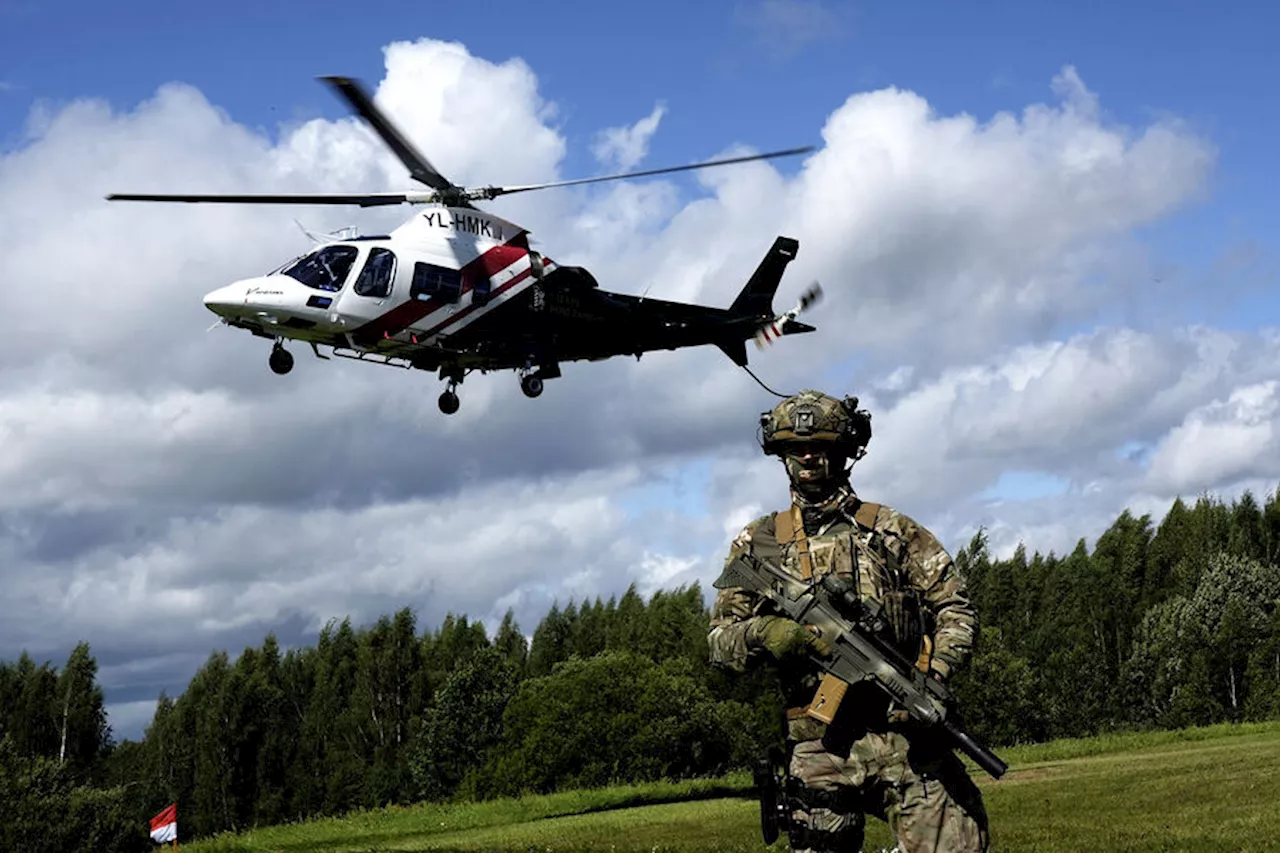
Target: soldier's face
x=811, y=467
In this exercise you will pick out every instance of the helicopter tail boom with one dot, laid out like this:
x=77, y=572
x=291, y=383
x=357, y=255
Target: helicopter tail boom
x=753, y=307
x=756, y=297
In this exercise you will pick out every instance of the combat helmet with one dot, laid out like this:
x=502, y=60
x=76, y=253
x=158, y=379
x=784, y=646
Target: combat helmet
x=812, y=416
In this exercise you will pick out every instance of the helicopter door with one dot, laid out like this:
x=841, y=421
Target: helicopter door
x=377, y=277
x=373, y=290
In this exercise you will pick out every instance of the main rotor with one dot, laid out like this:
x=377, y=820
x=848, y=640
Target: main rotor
x=442, y=190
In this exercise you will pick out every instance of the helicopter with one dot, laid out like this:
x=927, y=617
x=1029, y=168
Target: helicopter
x=456, y=289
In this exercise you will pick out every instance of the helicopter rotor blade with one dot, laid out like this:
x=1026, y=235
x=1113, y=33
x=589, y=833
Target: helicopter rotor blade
x=419, y=168
x=361, y=199
x=494, y=192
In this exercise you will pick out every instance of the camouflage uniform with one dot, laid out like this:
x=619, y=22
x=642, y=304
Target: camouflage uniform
x=871, y=757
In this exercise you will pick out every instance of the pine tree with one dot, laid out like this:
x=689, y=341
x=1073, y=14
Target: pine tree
x=511, y=643
x=550, y=643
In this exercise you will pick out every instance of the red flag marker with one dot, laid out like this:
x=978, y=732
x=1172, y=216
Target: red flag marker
x=164, y=826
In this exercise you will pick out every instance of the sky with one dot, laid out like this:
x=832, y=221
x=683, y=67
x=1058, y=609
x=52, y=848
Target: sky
x=1045, y=236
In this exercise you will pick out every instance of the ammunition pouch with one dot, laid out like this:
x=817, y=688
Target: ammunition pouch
x=844, y=800
x=903, y=612
x=802, y=837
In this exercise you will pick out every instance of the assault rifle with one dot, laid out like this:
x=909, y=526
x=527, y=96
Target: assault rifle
x=854, y=628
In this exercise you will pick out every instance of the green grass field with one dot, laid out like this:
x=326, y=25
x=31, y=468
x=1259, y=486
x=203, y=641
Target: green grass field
x=1211, y=789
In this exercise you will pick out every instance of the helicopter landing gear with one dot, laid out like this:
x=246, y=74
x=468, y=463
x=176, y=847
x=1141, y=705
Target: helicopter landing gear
x=281, y=360
x=531, y=385
x=449, y=401
x=531, y=379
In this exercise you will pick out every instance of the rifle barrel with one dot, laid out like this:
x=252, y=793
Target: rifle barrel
x=985, y=758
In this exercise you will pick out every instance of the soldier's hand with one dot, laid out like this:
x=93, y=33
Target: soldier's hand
x=939, y=669
x=784, y=637
x=931, y=666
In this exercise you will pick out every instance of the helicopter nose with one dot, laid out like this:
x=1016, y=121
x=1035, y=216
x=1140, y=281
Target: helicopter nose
x=225, y=301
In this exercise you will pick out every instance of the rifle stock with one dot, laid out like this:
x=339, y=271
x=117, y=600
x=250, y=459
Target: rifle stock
x=853, y=628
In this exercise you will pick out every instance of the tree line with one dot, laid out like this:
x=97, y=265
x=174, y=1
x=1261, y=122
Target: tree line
x=1159, y=626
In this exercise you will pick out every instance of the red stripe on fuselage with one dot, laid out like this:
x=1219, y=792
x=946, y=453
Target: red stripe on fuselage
x=516, y=279
x=404, y=315
x=449, y=321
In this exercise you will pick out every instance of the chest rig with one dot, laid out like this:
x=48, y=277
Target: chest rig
x=855, y=549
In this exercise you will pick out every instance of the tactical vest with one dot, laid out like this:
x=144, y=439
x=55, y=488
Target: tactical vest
x=856, y=551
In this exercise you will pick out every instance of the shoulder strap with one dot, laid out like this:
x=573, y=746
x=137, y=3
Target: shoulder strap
x=866, y=513
x=782, y=526
x=789, y=527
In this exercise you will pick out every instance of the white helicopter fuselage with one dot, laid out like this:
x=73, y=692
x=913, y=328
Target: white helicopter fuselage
x=437, y=273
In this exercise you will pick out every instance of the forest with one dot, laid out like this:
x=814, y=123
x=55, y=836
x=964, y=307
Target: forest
x=1163, y=624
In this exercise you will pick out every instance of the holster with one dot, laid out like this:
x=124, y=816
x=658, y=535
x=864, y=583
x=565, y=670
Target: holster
x=775, y=807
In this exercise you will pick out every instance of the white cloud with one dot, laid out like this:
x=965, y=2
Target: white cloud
x=1222, y=442
x=785, y=27
x=624, y=147
x=665, y=571
x=170, y=475
x=203, y=575
x=1206, y=401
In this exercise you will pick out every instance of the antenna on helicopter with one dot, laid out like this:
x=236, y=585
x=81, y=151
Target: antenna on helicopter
x=441, y=189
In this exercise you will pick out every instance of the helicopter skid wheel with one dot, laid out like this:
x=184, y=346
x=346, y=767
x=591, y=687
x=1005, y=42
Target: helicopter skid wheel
x=281, y=360
x=531, y=385
x=449, y=402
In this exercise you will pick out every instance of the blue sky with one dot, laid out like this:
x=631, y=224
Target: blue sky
x=765, y=74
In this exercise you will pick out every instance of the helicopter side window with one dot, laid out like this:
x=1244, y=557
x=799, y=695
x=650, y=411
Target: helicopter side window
x=325, y=269
x=375, y=278
x=432, y=281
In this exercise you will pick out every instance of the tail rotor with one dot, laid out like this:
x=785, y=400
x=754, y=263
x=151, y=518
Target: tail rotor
x=786, y=323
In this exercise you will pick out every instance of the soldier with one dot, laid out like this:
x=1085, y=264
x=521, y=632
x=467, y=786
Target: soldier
x=871, y=757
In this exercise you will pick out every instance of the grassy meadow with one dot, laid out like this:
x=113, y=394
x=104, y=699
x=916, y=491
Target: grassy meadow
x=1206, y=789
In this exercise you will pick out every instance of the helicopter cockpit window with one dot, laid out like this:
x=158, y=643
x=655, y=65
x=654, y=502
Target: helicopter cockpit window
x=324, y=269
x=430, y=281
x=375, y=278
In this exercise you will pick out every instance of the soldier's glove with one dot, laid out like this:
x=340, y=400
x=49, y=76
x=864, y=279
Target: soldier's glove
x=783, y=637
x=939, y=669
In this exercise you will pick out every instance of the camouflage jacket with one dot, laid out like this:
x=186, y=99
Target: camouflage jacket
x=890, y=558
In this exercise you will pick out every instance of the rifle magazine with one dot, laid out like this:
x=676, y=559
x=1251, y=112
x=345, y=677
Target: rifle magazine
x=827, y=698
